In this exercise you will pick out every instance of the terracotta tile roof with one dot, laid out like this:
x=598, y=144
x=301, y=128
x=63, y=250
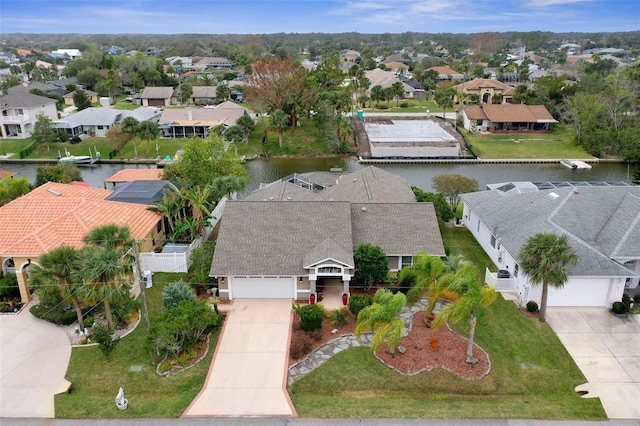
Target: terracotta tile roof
x=518, y=113
x=481, y=83
x=475, y=112
x=56, y=214
x=128, y=175
x=445, y=70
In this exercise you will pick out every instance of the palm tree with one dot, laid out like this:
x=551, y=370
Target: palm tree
x=57, y=268
x=398, y=91
x=382, y=317
x=148, y=130
x=544, y=258
x=377, y=94
x=424, y=271
x=247, y=125
x=129, y=126
x=473, y=295
x=279, y=120
x=104, y=273
x=105, y=266
x=222, y=92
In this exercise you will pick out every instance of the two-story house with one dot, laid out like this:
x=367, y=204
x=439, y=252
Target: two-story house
x=20, y=111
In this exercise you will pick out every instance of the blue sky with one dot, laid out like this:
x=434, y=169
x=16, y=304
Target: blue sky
x=304, y=16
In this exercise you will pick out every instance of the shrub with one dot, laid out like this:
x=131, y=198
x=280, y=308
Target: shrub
x=176, y=292
x=9, y=286
x=123, y=310
x=102, y=336
x=315, y=334
x=392, y=277
x=359, y=301
x=636, y=298
x=310, y=316
x=619, y=308
x=75, y=140
x=300, y=346
x=404, y=104
x=339, y=317
x=57, y=316
x=89, y=321
x=626, y=299
x=175, y=330
x=532, y=306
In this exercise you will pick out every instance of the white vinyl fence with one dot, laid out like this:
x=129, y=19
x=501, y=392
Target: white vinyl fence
x=180, y=262
x=169, y=262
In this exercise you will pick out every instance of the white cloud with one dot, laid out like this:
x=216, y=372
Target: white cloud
x=545, y=3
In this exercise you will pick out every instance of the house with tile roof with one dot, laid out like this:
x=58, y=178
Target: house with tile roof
x=188, y=122
x=446, y=73
x=20, y=111
x=485, y=89
x=601, y=223
x=55, y=214
x=291, y=236
x=506, y=118
x=129, y=175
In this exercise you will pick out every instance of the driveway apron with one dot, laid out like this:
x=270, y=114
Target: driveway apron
x=248, y=373
x=34, y=356
x=606, y=348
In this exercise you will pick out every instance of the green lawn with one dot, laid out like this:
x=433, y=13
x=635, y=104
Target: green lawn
x=354, y=384
x=167, y=147
x=96, y=379
x=558, y=144
x=458, y=240
x=14, y=146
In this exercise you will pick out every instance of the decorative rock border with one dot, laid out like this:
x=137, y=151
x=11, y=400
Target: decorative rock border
x=320, y=355
x=173, y=373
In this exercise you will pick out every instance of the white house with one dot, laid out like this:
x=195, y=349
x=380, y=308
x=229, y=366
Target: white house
x=20, y=111
x=601, y=221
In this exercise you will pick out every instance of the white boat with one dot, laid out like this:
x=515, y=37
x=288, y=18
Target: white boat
x=575, y=164
x=80, y=160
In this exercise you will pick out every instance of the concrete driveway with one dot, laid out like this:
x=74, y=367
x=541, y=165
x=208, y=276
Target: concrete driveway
x=248, y=373
x=34, y=356
x=606, y=348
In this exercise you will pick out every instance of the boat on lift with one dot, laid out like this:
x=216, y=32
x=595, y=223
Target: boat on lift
x=575, y=164
x=80, y=160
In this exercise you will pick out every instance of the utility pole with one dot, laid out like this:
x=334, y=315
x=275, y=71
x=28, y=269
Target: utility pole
x=143, y=285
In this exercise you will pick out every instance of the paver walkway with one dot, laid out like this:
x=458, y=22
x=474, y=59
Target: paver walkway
x=34, y=356
x=248, y=372
x=606, y=348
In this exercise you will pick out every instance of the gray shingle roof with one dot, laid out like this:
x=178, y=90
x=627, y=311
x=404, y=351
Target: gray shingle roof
x=398, y=228
x=601, y=223
x=21, y=99
x=273, y=237
x=328, y=249
x=157, y=93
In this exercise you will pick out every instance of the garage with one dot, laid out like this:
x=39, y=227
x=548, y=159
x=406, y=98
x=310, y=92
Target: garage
x=579, y=293
x=262, y=287
x=156, y=102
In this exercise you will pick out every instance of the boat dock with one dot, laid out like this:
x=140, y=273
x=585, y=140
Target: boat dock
x=469, y=160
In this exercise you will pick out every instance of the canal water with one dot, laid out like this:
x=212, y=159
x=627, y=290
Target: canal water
x=420, y=175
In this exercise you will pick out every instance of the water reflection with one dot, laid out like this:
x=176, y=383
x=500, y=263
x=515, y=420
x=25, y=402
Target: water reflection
x=421, y=175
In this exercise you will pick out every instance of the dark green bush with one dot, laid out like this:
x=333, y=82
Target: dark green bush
x=636, y=298
x=339, y=317
x=532, y=306
x=102, y=336
x=404, y=104
x=619, y=308
x=57, y=315
x=9, y=286
x=626, y=299
x=75, y=140
x=311, y=316
x=359, y=301
x=123, y=310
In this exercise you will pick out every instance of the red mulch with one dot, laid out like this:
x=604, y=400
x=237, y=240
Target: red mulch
x=451, y=353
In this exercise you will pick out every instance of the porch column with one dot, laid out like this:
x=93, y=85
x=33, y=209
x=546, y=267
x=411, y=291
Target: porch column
x=312, y=286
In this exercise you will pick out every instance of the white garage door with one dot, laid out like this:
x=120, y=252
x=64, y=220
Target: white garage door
x=262, y=288
x=579, y=293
